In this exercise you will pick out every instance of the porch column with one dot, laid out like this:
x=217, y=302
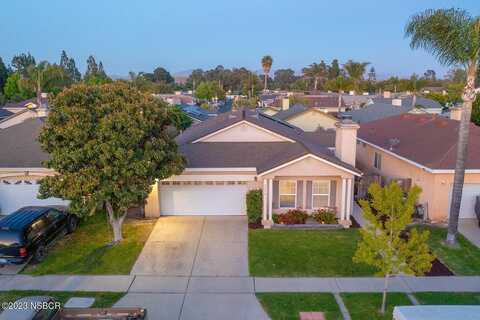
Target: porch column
x=270, y=200
x=344, y=196
x=349, y=199
x=267, y=192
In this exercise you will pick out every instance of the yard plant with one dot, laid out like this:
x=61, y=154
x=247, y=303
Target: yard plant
x=108, y=145
x=254, y=205
x=383, y=243
x=325, y=216
x=293, y=216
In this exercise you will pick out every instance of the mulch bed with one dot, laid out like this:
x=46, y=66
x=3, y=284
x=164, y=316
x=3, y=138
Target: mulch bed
x=355, y=224
x=257, y=225
x=438, y=269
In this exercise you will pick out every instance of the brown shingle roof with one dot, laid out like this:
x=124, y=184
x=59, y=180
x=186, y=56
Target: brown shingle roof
x=263, y=156
x=429, y=140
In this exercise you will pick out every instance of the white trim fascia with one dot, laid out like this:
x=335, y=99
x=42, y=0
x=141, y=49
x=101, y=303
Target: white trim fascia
x=237, y=169
x=430, y=170
x=307, y=156
x=240, y=123
x=27, y=169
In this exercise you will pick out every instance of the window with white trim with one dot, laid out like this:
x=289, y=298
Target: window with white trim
x=377, y=161
x=320, y=194
x=287, y=193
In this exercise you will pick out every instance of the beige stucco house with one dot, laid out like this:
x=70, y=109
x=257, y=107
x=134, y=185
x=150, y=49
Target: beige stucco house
x=242, y=150
x=421, y=149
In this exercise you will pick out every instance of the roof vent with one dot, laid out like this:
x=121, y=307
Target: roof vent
x=393, y=143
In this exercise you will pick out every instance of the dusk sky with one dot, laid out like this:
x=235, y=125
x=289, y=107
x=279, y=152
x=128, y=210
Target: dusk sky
x=186, y=34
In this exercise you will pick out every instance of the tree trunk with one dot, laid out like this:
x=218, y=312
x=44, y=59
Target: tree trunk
x=315, y=84
x=414, y=100
x=39, y=94
x=462, y=153
x=115, y=223
x=384, y=297
x=265, y=82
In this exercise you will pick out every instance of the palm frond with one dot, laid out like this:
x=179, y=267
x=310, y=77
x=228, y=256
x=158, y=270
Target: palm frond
x=451, y=35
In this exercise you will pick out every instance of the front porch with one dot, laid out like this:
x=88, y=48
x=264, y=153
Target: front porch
x=308, y=193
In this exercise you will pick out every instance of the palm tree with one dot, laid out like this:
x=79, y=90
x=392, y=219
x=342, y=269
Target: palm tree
x=266, y=66
x=355, y=71
x=317, y=71
x=453, y=37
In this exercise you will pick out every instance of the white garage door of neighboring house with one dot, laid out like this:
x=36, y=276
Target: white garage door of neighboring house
x=16, y=195
x=203, y=199
x=469, y=194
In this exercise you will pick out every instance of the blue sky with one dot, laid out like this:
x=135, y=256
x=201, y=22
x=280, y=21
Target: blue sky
x=185, y=34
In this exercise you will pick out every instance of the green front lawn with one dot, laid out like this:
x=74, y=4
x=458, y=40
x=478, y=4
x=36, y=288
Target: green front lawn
x=464, y=260
x=86, y=251
x=287, y=306
x=445, y=298
x=310, y=253
x=366, y=306
x=102, y=299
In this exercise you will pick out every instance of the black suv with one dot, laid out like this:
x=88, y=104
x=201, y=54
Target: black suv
x=27, y=232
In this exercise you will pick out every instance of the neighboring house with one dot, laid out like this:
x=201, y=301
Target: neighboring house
x=376, y=111
x=425, y=104
x=306, y=118
x=178, y=98
x=421, y=148
x=241, y=150
x=21, y=166
x=196, y=113
x=20, y=111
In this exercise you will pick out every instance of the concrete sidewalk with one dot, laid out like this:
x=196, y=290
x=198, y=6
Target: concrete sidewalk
x=236, y=285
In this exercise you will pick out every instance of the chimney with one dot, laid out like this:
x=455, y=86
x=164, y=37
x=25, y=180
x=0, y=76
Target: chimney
x=456, y=113
x=397, y=102
x=346, y=140
x=285, y=103
x=387, y=94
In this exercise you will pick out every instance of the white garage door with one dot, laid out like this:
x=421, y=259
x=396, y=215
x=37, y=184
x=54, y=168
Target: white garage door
x=203, y=199
x=469, y=194
x=14, y=196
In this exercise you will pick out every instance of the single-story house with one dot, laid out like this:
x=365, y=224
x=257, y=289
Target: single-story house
x=242, y=150
x=421, y=148
x=226, y=156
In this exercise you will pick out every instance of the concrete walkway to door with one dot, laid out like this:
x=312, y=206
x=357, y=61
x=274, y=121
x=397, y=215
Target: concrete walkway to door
x=212, y=246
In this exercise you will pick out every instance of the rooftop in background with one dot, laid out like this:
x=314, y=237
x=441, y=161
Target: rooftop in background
x=18, y=106
x=427, y=139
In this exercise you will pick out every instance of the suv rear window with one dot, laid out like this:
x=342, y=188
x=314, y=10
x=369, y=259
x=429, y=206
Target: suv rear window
x=10, y=238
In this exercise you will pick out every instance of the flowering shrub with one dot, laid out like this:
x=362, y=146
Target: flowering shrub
x=325, y=216
x=293, y=216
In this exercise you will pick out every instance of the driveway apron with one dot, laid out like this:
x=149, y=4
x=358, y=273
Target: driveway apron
x=196, y=246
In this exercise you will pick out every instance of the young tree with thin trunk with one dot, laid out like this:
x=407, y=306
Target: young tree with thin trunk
x=383, y=244
x=108, y=145
x=38, y=77
x=453, y=37
x=267, y=62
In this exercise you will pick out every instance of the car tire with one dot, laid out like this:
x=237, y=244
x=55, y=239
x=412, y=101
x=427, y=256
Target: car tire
x=40, y=253
x=72, y=224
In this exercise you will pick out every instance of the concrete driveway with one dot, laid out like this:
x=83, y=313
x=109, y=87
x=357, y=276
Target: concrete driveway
x=196, y=246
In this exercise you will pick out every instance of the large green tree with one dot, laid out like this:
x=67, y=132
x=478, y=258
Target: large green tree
x=266, y=62
x=21, y=62
x=95, y=74
x=68, y=64
x=453, y=37
x=4, y=73
x=109, y=144
x=14, y=90
x=383, y=244
x=284, y=78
